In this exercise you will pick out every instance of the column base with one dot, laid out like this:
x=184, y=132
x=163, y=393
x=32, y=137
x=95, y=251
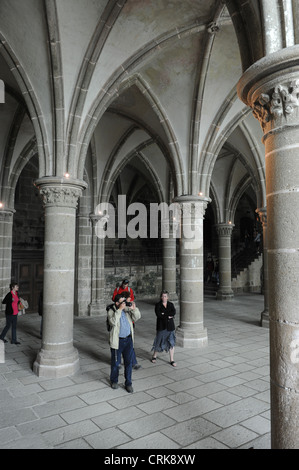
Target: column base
x=265, y=322
x=97, y=309
x=190, y=339
x=50, y=364
x=225, y=295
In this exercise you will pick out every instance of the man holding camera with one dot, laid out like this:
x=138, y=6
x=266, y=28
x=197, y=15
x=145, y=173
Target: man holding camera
x=121, y=316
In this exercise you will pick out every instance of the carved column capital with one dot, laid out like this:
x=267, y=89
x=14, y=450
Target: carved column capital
x=188, y=202
x=224, y=230
x=271, y=88
x=95, y=218
x=279, y=105
x=60, y=192
x=6, y=214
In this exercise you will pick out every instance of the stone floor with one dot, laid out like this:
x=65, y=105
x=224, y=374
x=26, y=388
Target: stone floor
x=216, y=398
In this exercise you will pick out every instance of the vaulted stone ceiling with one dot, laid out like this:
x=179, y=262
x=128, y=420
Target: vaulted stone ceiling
x=95, y=86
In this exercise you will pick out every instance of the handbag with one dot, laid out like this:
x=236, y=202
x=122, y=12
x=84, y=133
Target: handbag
x=22, y=305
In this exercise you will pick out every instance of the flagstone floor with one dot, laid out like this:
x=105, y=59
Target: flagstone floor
x=217, y=397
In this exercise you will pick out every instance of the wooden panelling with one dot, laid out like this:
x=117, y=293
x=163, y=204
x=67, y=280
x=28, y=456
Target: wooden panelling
x=27, y=270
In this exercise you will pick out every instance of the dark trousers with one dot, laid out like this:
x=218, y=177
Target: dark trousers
x=11, y=320
x=125, y=349
x=134, y=358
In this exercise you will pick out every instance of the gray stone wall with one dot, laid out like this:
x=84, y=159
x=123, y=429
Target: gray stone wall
x=28, y=224
x=146, y=281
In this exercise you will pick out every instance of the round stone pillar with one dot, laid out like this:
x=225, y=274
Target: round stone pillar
x=271, y=88
x=191, y=332
x=6, y=223
x=265, y=313
x=169, y=262
x=224, y=232
x=98, y=301
x=58, y=357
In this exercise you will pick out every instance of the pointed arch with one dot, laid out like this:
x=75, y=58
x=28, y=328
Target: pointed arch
x=57, y=94
x=114, y=87
x=32, y=104
x=109, y=183
x=170, y=151
x=99, y=37
x=9, y=149
x=27, y=153
x=215, y=204
x=215, y=140
x=246, y=17
x=239, y=191
x=260, y=165
x=199, y=89
x=107, y=177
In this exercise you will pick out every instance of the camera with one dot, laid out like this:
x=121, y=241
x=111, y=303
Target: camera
x=128, y=304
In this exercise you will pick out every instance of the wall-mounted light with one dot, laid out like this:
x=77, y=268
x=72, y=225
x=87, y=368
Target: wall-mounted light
x=200, y=194
x=1, y=205
x=66, y=175
x=229, y=222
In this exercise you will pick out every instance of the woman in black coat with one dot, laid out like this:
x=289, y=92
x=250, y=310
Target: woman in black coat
x=11, y=313
x=165, y=337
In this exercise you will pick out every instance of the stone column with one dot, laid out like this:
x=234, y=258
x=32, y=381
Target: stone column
x=169, y=263
x=224, y=232
x=83, y=265
x=98, y=301
x=191, y=332
x=271, y=88
x=58, y=357
x=265, y=313
x=6, y=224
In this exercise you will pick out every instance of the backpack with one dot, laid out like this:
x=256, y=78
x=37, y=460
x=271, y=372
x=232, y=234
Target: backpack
x=129, y=290
x=108, y=326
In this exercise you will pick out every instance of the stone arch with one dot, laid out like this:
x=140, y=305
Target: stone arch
x=31, y=101
x=215, y=204
x=171, y=151
x=8, y=154
x=218, y=141
x=114, y=88
x=194, y=158
x=59, y=160
x=101, y=32
x=27, y=153
x=246, y=18
x=215, y=140
x=113, y=177
x=238, y=193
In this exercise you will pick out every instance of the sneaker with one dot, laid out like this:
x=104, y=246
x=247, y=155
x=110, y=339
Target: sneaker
x=137, y=366
x=4, y=340
x=129, y=389
x=15, y=342
x=114, y=385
